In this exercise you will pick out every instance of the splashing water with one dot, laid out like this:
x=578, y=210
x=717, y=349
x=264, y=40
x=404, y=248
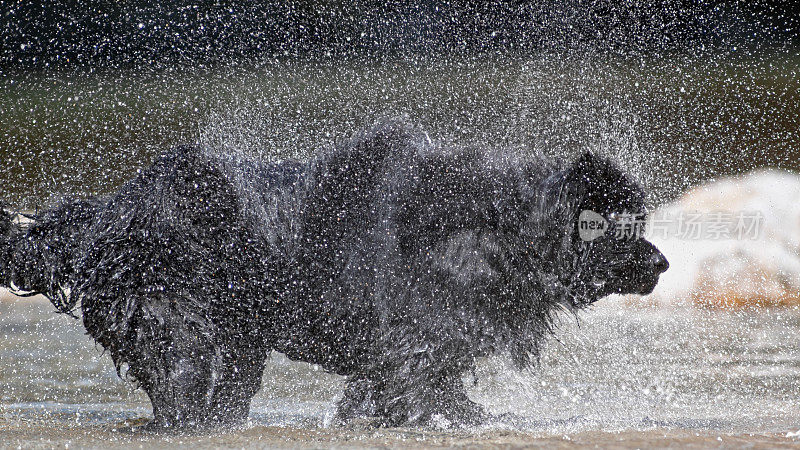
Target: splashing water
x=709, y=373
x=619, y=374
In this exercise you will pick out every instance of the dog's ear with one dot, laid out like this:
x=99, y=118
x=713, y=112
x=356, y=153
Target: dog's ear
x=588, y=168
x=596, y=183
x=585, y=175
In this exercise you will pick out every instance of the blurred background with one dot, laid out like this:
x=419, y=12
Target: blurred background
x=682, y=91
x=64, y=33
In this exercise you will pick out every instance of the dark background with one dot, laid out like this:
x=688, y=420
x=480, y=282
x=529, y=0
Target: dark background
x=104, y=33
x=680, y=91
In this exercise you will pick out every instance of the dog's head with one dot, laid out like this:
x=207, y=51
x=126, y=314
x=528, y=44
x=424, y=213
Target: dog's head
x=600, y=219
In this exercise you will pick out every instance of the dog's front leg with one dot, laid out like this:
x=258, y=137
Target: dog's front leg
x=360, y=401
x=417, y=390
x=433, y=398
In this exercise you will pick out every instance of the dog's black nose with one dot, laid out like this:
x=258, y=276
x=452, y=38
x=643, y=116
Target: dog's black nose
x=659, y=262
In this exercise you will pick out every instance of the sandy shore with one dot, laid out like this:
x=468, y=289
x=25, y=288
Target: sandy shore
x=35, y=435
x=273, y=437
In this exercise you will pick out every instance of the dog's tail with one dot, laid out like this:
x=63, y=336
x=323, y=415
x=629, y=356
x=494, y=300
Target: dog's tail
x=39, y=253
x=9, y=232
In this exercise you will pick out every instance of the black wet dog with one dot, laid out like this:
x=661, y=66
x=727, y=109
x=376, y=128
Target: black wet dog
x=384, y=259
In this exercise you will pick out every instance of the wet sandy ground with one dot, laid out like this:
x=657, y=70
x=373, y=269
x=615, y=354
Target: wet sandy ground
x=619, y=377
x=37, y=436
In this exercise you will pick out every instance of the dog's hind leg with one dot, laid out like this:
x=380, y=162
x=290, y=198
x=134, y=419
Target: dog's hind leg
x=178, y=374
x=182, y=399
x=238, y=380
x=196, y=375
x=172, y=355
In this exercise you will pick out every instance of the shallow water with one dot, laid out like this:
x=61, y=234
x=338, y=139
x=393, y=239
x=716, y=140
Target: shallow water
x=617, y=376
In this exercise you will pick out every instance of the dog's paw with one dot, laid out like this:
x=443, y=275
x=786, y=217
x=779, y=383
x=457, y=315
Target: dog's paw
x=462, y=415
x=139, y=426
x=508, y=420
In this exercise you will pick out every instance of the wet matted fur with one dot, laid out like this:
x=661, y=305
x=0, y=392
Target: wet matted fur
x=386, y=259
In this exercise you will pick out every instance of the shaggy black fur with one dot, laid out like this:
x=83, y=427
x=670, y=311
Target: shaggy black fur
x=384, y=259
